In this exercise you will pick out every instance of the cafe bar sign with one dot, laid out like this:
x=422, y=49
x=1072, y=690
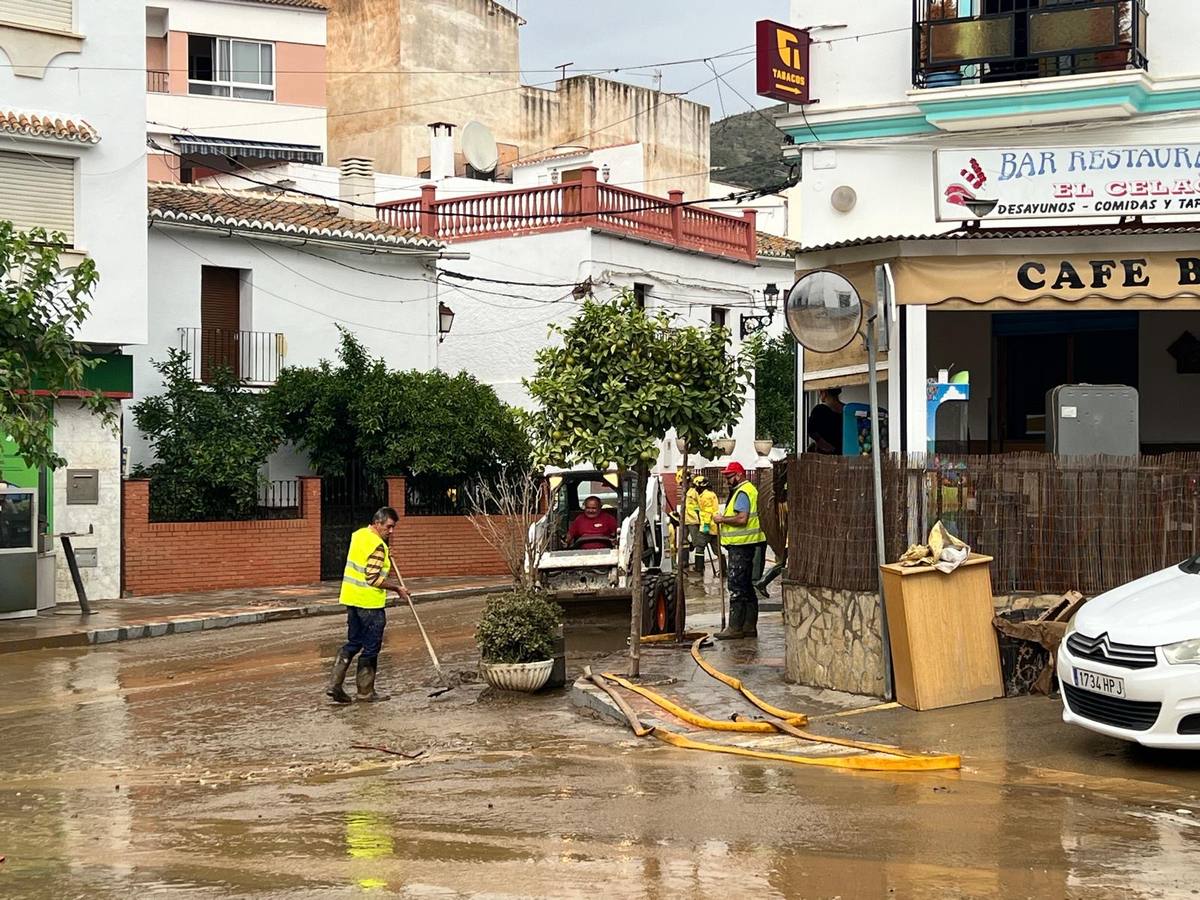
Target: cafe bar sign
x=1068, y=182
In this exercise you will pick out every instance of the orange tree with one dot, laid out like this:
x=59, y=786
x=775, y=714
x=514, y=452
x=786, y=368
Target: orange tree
x=618, y=380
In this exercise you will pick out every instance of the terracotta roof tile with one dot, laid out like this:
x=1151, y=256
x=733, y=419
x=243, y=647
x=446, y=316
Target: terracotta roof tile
x=777, y=247
x=214, y=207
x=1033, y=231
x=29, y=124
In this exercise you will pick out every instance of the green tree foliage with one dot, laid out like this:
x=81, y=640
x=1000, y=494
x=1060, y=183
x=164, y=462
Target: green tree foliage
x=41, y=309
x=774, y=391
x=622, y=378
x=396, y=423
x=209, y=441
x=745, y=148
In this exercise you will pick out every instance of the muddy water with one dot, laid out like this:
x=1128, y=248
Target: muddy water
x=209, y=766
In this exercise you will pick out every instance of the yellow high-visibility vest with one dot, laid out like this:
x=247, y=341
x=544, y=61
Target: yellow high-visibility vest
x=355, y=589
x=751, y=532
x=701, y=505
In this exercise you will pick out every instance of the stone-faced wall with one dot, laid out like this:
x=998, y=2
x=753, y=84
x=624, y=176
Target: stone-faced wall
x=832, y=639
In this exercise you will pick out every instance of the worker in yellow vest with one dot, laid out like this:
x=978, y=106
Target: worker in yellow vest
x=701, y=506
x=364, y=594
x=741, y=536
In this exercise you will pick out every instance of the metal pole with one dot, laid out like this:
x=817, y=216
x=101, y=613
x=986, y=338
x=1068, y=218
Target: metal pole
x=877, y=474
x=681, y=548
x=73, y=566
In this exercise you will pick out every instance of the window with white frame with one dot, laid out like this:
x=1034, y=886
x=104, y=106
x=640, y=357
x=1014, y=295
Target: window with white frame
x=229, y=67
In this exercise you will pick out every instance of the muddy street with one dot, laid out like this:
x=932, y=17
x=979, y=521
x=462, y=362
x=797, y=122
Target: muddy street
x=211, y=765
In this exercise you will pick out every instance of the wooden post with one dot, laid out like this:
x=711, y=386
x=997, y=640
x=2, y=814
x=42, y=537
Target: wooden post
x=681, y=548
x=676, y=216
x=428, y=216
x=635, y=575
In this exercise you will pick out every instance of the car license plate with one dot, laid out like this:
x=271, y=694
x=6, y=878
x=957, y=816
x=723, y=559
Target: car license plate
x=1100, y=684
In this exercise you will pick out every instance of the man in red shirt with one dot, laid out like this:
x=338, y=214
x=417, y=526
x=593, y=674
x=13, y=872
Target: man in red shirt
x=593, y=523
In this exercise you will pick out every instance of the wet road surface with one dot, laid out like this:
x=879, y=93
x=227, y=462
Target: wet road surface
x=210, y=765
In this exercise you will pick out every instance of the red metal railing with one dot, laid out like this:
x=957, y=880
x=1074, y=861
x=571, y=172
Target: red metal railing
x=584, y=203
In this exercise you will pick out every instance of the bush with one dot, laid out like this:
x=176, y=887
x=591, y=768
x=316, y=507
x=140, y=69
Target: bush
x=518, y=627
x=210, y=441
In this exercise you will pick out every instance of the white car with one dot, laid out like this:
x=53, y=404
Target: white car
x=1129, y=665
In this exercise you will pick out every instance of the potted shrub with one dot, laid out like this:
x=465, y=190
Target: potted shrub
x=516, y=640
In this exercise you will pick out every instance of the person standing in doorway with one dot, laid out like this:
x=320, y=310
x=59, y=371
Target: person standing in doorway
x=364, y=594
x=825, y=423
x=741, y=535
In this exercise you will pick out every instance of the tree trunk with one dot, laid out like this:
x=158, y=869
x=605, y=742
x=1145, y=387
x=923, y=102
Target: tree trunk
x=635, y=575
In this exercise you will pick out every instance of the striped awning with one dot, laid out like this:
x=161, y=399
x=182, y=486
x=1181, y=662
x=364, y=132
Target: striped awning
x=194, y=145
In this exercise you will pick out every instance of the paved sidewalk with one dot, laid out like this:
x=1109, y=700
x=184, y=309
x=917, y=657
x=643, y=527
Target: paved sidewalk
x=142, y=617
x=670, y=670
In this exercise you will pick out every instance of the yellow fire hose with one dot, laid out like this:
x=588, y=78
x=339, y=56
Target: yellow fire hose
x=889, y=759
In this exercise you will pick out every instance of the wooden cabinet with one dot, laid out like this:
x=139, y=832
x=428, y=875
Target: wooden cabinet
x=944, y=650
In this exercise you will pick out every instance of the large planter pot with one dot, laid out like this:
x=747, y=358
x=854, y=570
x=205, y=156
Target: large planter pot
x=528, y=677
x=763, y=448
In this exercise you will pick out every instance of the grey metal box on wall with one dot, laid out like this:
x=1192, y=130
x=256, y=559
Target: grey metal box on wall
x=1092, y=420
x=83, y=487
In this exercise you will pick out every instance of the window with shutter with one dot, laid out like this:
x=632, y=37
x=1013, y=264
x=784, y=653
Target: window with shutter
x=38, y=191
x=56, y=14
x=220, y=320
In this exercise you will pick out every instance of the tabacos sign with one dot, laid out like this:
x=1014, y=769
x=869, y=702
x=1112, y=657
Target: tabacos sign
x=1068, y=182
x=783, y=57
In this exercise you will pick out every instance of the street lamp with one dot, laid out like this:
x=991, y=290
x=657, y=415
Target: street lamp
x=445, y=321
x=751, y=324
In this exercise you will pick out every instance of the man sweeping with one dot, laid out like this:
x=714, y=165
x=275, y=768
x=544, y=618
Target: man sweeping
x=364, y=594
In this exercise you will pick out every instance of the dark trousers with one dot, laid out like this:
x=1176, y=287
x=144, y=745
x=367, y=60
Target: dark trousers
x=364, y=631
x=743, y=601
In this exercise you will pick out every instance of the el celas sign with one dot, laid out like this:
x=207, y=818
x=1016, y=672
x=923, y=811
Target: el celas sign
x=783, y=54
x=1068, y=182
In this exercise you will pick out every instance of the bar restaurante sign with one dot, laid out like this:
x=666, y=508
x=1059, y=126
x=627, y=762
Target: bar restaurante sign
x=783, y=62
x=1068, y=182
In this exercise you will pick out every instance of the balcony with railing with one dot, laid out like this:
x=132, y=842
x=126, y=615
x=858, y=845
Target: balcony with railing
x=579, y=204
x=158, y=81
x=253, y=357
x=1015, y=40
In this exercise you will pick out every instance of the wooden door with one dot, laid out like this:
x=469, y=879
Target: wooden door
x=220, y=320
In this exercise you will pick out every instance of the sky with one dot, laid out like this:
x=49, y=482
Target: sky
x=595, y=34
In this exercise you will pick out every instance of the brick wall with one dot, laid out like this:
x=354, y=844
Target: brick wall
x=438, y=545
x=177, y=557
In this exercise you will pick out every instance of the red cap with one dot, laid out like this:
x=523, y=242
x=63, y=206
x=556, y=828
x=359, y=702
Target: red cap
x=735, y=468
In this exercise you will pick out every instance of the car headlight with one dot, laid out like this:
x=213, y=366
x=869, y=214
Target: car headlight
x=1183, y=653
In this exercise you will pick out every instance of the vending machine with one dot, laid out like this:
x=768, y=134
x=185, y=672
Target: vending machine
x=856, y=429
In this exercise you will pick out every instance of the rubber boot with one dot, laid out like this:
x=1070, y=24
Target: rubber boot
x=335, y=692
x=364, y=677
x=737, y=615
x=698, y=566
x=750, y=622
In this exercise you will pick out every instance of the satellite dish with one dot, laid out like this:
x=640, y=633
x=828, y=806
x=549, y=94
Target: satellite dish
x=824, y=311
x=479, y=147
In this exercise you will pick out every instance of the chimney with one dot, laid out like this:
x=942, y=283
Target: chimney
x=441, y=151
x=356, y=185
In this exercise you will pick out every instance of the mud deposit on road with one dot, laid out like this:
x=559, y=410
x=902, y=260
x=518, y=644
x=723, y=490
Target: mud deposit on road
x=211, y=766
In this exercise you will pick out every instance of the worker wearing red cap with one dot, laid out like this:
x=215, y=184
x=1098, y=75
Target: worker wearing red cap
x=741, y=536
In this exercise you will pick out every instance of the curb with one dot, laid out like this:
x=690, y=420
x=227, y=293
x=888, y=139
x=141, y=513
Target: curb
x=586, y=697
x=116, y=634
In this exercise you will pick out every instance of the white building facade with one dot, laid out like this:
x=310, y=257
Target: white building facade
x=73, y=160
x=256, y=281
x=233, y=85
x=971, y=146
